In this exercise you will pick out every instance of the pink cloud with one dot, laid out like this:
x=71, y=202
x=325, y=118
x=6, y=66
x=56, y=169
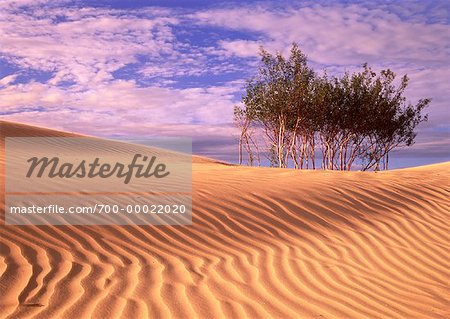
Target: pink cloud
x=334, y=34
x=87, y=45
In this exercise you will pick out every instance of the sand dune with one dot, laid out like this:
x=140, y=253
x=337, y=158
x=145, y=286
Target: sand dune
x=265, y=243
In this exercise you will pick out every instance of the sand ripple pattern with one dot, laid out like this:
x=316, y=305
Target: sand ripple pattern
x=265, y=243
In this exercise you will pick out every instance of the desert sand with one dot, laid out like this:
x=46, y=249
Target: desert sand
x=265, y=243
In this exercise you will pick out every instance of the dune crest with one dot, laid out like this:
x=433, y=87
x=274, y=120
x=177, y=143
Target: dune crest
x=265, y=243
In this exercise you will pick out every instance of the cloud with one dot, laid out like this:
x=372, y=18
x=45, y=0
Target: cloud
x=335, y=34
x=124, y=101
x=83, y=45
x=117, y=72
x=410, y=38
x=8, y=79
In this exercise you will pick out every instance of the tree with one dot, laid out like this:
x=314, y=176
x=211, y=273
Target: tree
x=276, y=99
x=359, y=117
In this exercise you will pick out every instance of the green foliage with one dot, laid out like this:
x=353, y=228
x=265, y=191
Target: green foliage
x=356, y=117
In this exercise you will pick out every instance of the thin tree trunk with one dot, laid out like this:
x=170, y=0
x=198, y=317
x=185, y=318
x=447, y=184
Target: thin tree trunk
x=387, y=162
x=240, y=149
x=307, y=151
x=256, y=148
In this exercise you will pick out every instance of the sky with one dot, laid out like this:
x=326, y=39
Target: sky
x=121, y=69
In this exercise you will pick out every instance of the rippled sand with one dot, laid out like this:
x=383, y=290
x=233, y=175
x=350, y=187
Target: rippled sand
x=265, y=243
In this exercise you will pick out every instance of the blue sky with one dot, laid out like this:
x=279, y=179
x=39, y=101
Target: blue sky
x=176, y=68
